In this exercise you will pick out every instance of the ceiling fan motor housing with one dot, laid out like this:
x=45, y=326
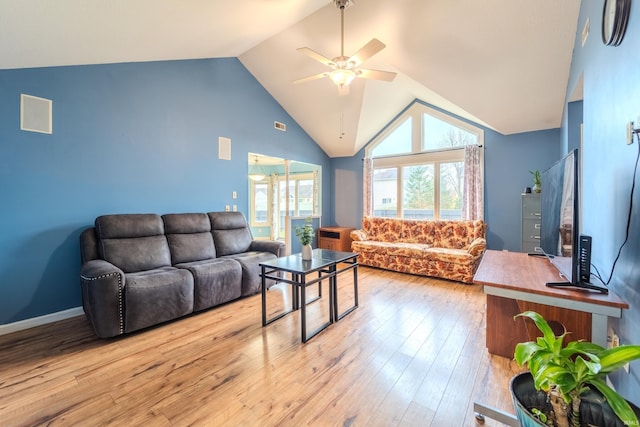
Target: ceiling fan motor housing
x=343, y=4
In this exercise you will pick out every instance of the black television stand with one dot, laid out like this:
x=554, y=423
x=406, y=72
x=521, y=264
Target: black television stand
x=581, y=285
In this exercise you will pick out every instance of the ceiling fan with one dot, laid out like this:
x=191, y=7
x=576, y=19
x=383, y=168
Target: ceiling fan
x=345, y=69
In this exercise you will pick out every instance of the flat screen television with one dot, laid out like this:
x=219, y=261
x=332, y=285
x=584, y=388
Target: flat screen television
x=560, y=238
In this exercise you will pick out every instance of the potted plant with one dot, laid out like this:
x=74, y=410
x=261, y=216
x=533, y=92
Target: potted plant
x=306, y=234
x=569, y=378
x=536, y=180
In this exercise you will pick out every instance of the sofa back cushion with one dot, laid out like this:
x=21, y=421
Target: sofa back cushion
x=231, y=233
x=382, y=229
x=133, y=242
x=449, y=234
x=419, y=231
x=189, y=237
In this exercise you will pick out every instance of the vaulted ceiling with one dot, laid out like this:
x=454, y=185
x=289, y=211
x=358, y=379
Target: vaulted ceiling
x=503, y=64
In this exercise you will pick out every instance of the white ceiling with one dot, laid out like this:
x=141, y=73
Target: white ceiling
x=501, y=63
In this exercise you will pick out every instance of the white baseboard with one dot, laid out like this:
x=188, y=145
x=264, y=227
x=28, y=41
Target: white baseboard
x=40, y=320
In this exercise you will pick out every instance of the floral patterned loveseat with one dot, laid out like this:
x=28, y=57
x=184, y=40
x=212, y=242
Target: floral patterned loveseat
x=446, y=249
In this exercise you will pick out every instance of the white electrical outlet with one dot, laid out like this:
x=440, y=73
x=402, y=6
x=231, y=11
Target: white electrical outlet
x=227, y=208
x=235, y=208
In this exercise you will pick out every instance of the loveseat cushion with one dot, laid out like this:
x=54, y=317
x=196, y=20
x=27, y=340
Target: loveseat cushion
x=216, y=281
x=133, y=242
x=231, y=234
x=156, y=296
x=189, y=237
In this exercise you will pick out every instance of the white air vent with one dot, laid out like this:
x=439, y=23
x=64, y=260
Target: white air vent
x=35, y=114
x=280, y=126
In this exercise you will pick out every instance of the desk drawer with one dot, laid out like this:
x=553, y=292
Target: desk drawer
x=531, y=207
x=530, y=230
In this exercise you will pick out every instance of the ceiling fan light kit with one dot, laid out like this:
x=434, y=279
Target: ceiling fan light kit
x=342, y=77
x=344, y=69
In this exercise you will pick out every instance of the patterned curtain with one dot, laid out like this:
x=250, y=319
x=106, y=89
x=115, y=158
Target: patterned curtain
x=473, y=197
x=367, y=186
x=273, y=190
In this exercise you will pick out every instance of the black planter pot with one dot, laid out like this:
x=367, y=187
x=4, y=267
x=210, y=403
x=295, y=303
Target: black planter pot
x=594, y=410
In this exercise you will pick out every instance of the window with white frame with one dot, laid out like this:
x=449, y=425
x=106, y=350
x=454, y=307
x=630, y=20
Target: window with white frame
x=261, y=201
x=418, y=165
x=301, y=196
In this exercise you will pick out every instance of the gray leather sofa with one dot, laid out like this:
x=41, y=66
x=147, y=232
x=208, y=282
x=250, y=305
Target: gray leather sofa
x=139, y=270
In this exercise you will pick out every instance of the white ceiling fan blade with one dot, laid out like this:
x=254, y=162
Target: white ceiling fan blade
x=343, y=90
x=366, y=52
x=314, y=77
x=387, y=76
x=315, y=55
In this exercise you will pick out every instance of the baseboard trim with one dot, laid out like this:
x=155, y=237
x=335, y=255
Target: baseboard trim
x=40, y=320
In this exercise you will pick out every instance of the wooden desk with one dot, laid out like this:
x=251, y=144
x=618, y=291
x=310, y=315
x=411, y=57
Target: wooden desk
x=515, y=282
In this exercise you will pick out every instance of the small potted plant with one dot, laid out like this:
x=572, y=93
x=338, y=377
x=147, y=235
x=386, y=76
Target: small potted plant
x=566, y=384
x=536, y=180
x=306, y=234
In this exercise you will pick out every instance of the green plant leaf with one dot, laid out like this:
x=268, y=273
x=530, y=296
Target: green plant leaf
x=620, y=406
x=616, y=357
x=543, y=326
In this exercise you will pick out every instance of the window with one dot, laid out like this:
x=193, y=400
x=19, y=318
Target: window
x=418, y=165
x=301, y=197
x=260, y=197
x=397, y=142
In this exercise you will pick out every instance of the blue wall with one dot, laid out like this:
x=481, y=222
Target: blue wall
x=508, y=160
x=140, y=137
x=611, y=99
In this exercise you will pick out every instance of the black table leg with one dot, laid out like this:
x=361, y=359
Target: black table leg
x=263, y=281
x=303, y=307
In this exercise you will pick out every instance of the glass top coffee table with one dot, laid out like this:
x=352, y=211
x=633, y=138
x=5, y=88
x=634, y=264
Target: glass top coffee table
x=324, y=265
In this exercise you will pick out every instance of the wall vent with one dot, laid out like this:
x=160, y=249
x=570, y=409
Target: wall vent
x=35, y=114
x=280, y=126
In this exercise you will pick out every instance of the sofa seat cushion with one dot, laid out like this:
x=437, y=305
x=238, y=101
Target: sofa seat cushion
x=249, y=261
x=395, y=248
x=456, y=256
x=156, y=296
x=216, y=281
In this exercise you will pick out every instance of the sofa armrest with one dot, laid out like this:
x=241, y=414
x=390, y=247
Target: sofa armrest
x=359, y=235
x=477, y=247
x=102, y=297
x=275, y=247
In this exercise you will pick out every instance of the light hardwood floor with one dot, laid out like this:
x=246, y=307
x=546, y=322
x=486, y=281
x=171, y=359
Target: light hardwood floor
x=412, y=354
